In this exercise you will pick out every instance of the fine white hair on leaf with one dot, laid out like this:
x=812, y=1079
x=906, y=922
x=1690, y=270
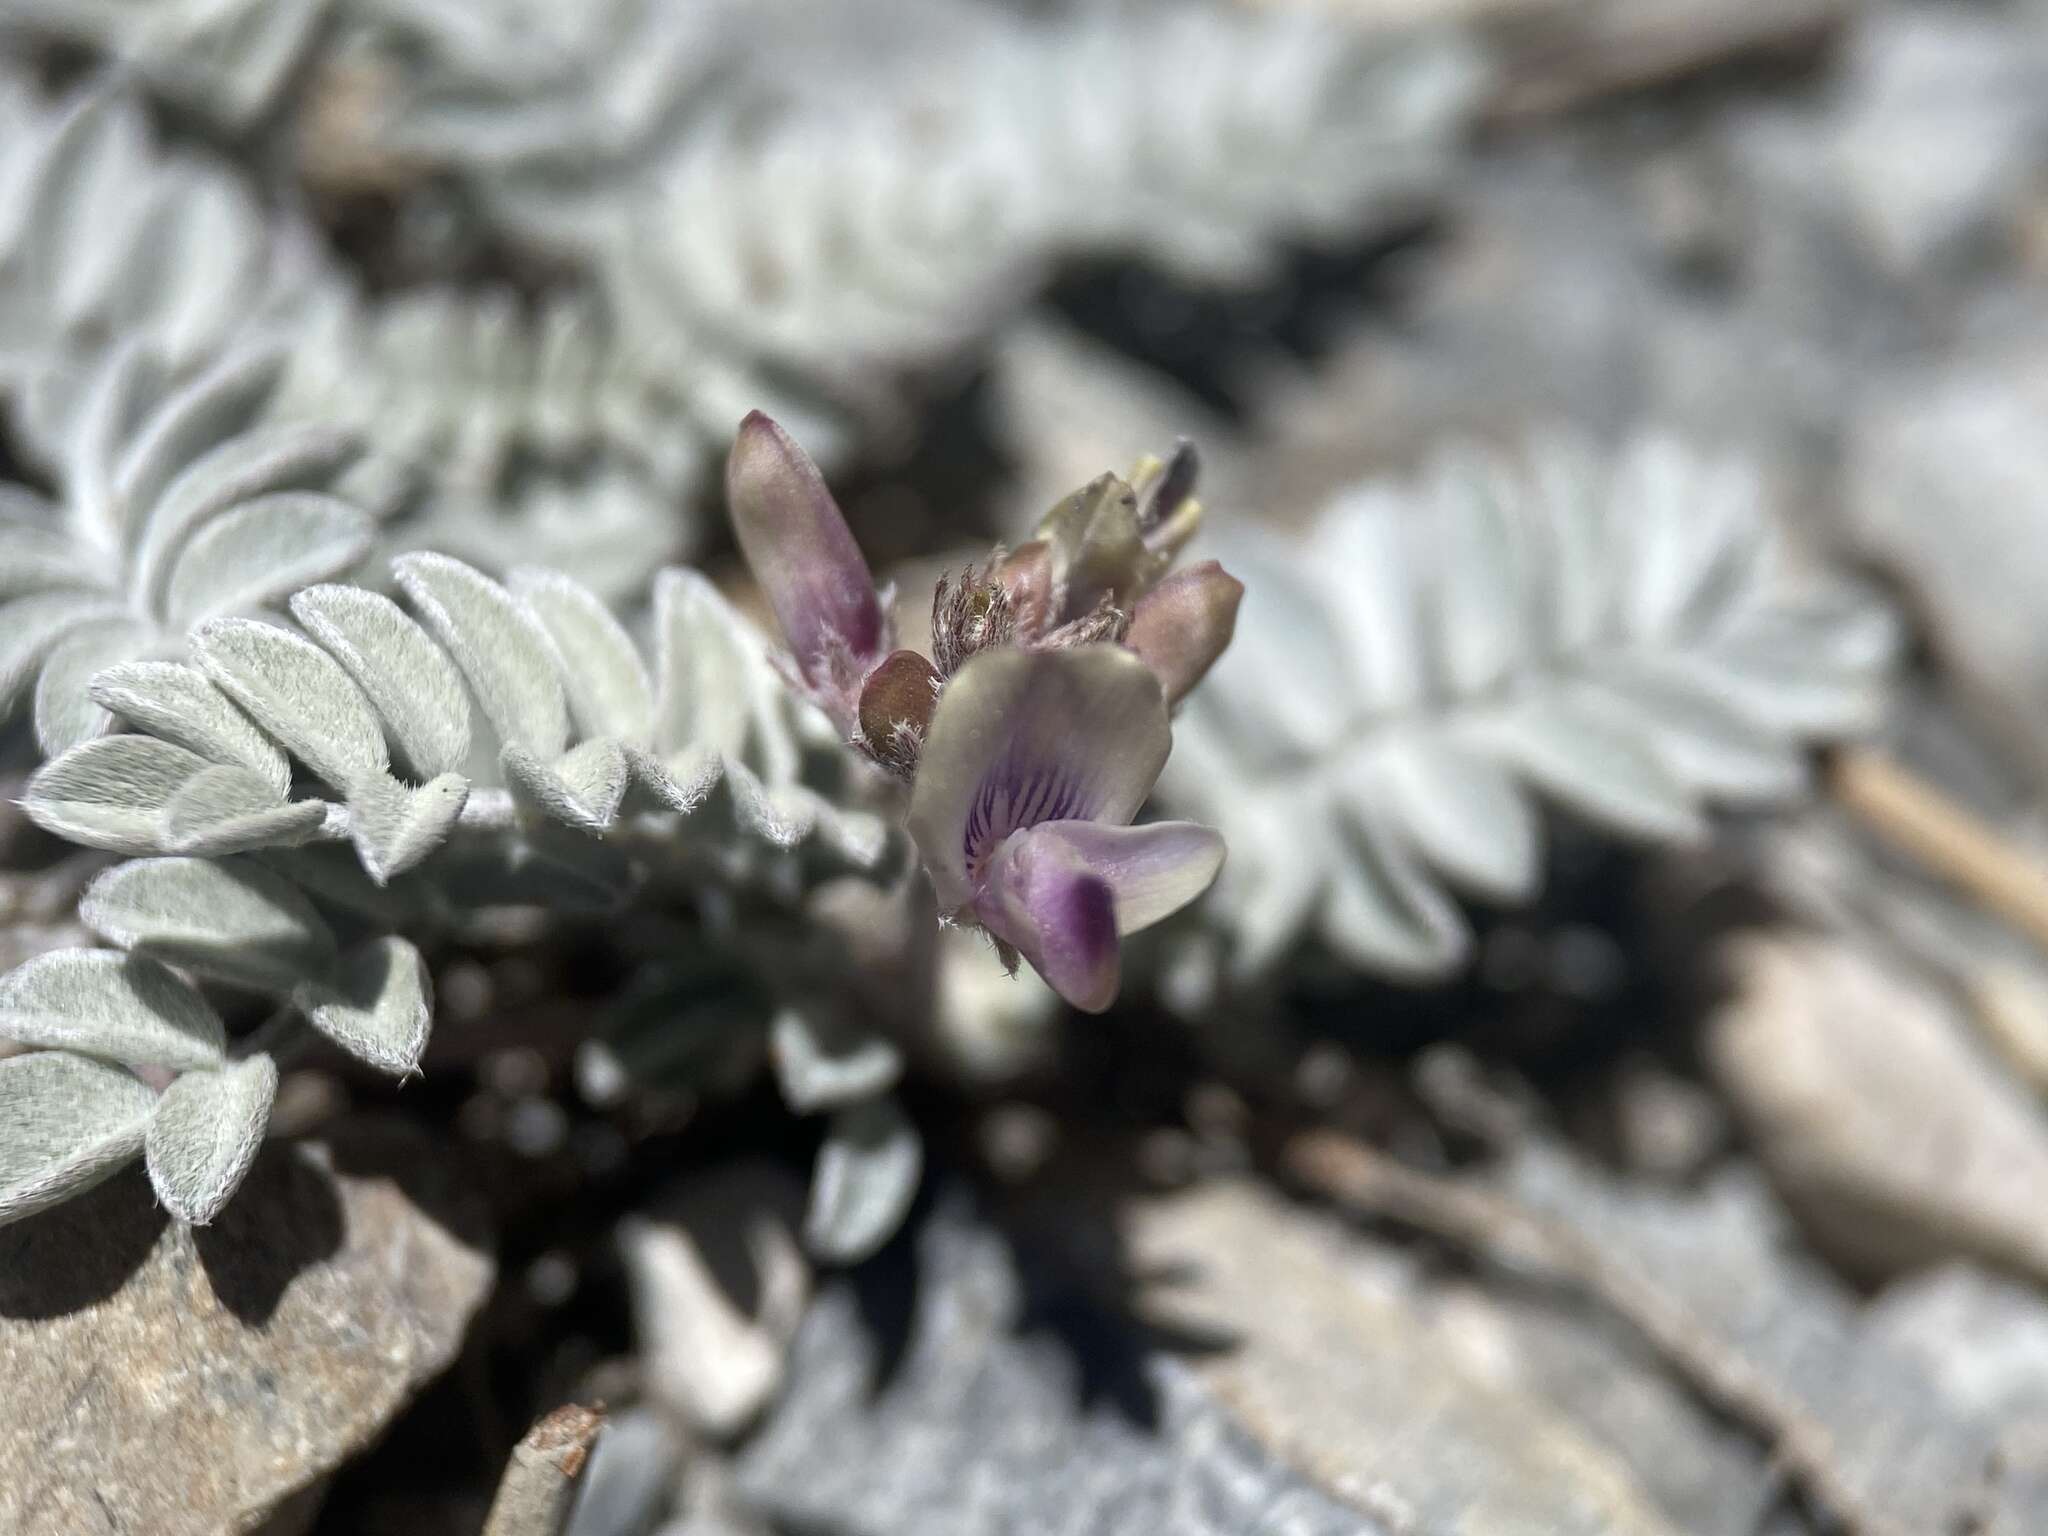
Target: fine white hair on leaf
x=1622, y=634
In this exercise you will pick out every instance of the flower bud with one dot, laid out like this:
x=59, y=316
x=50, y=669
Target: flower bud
x=896, y=706
x=1183, y=624
x=1026, y=574
x=1097, y=550
x=802, y=553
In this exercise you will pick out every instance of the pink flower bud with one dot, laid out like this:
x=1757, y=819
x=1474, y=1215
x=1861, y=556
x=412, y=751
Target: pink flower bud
x=802, y=553
x=1184, y=624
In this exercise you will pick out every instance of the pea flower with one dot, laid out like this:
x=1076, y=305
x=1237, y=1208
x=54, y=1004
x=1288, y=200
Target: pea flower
x=1034, y=731
x=1035, y=763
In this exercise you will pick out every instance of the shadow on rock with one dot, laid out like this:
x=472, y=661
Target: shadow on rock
x=81, y=1252
x=285, y=1218
x=1076, y=1296
x=394, y=1150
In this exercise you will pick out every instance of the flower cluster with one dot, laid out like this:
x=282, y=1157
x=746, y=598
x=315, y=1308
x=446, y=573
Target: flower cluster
x=1035, y=729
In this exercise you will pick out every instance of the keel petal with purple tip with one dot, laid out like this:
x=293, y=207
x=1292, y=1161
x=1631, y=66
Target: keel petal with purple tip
x=1152, y=871
x=1043, y=900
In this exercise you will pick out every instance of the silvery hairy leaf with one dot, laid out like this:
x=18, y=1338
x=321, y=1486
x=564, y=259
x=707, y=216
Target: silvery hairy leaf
x=704, y=654
x=32, y=623
x=111, y=792
x=379, y=1007
x=823, y=1061
x=231, y=920
x=461, y=381
x=500, y=647
x=146, y=435
x=683, y=783
x=227, y=61
x=724, y=799
x=124, y=1008
x=396, y=825
x=65, y=713
x=865, y=1180
x=1599, y=768
x=66, y=1123
x=739, y=797
x=205, y=1134
x=604, y=525
x=176, y=703
x=263, y=550
x=409, y=678
x=607, y=682
x=582, y=789
x=1462, y=811
x=1621, y=634
x=178, y=508
x=31, y=626
x=296, y=692
x=227, y=809
x=873, y=245
x=263, y=462
x=34, y=555
x=860, y=838
x=116, y=237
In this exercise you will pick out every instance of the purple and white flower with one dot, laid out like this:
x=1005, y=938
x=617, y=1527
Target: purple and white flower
x=1033, y=767
x=1037, y=726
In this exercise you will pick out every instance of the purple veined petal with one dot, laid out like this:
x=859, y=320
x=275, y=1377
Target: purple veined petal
x=796, y=541
x=1021, y=737
x=1043, y=900
x=1152, y=871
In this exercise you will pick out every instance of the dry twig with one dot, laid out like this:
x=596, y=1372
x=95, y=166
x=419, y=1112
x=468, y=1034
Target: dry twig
x=1947, y=839
x=539, y=1487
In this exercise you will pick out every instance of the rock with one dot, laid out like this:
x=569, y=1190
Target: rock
x=1387, y=1394
x=1705, y=1475
x=1590, y=1367
x=1941, y=128
x=956, y=1400
x=1921, y=1443
x=188, y=1381
x=1664, y=1125
x=1005, y=1402
x=719, y=1285
x=1947, y=488
x=1983, y=1340
x=1890, y=1134
x=1351, y=1388
x=631, y=1476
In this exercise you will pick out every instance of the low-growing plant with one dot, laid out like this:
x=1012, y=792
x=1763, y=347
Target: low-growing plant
x=310, y=798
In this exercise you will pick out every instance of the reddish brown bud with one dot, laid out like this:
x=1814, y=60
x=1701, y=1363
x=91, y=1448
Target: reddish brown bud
x=896, y=705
